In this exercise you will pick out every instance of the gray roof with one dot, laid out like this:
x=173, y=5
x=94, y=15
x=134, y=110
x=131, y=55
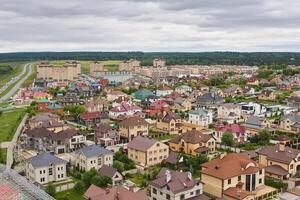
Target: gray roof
x=106, y=170
x=45, y=159
x=254, y=120
x=200, y=112
x=292, y=117
x=93, y=150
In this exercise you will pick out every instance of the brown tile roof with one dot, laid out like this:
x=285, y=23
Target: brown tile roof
x=179, y=181
x=116, y=192
x=231, y=165
x=167, y=117
x=141, y=143
x=193, y=137
x=106, y=170
x=235, y=193
x=44, y=133
x=276, y=169
x=172, y=158
x=133, y=121
x=273, y=153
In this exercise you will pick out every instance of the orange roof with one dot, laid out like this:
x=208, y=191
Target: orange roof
x=231, y=165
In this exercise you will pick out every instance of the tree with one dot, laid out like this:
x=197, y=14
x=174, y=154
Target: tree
x=227, y=138
x=87, y=177
x=50, y=189
x=118, y=165
x=79, y=186
x=74, y=110
x=263, y=136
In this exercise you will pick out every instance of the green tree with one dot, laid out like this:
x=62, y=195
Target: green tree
x=50, y=189
x=227, y=138
x=118, y=165
x=88, y=176
x=74, y=110
x=263, y=136
x=79, y=186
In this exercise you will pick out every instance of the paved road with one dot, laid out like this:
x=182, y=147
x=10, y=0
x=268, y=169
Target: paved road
x=11, y=145
x=18, y=85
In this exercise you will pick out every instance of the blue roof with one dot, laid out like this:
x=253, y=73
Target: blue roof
x=45, y=159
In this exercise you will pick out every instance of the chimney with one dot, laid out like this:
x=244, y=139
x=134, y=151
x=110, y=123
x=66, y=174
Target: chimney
x=168, y=176
x=281, y=146
x=189, y=176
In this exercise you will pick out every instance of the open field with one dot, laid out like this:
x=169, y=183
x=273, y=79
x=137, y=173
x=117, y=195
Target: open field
x=111, y=65
x=3, y=153
x=9, y=123
x=17, y=68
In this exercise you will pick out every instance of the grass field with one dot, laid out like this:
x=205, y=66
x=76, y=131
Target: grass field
x=9, y=123
x=70, y=195
x=111, y=65
x=3, y=153
x=31, y=77
x=17, y=66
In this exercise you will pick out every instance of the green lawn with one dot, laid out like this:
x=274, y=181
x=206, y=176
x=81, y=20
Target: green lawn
x=9, y=123
x=3, y=153
x=136, y=178
x=70, y=195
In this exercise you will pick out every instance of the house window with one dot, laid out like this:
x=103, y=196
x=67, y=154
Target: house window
x=191, y=193
x=260, y=180
x=291, y=167
x=182, y=197
x=168, y=196
x=197, y=192
x=239, y=178
x=50, y=171
x=229, y=181
x=260, y=172
x=154, y=191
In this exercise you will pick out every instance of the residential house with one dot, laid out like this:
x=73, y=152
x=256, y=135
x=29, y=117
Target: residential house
x=147, y=152
x=236, y=177
x=42, y=118
x=267, y=95
x=183, y=89
x=239, y=132
x=193, y=142
x=174, y=185
x=200, y=117
x=123, y=110
x=209, y=100
x=90, y=118
x=281, y=161
x=168, y=122
x=93, y=156
x=45, y=168
x=114, y=95
x=111, y=172
x=252, y=81
x=157, y=107
x=71, y=99
x=251, y=108
x=132, y=127
x=163, y=90
x=42, y=140
x=229, y=112
x=96, y=105
x=116, y=192
x=254, y=124
x=142, y=94
x=248, y=90
x=290, y=122
x=233, y=91
x=106, y=135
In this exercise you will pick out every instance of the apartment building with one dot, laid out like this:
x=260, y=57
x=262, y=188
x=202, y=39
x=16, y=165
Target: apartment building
x=158, y=63
x=93, y=156
x=147, y=152
x=174, y=185
x=193, y=142
x=129, y=65
x=132, y=127
x=229, y=112
x=60, y=74
x=235, y=176
x=44, y=168
x=96, y=66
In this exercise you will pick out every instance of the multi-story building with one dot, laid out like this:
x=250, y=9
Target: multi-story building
x=281, y=161
x=96, y=66
x=129, y=65
x=44, y=168
x=60, y=74
x=235, y=176
x=41, y=140
x=106, y=135
x=200, y=117
x=193, y=142
x=124, y=109
x=147, y=152
x=132, y=127
x=174, y=185
x=168, y=122
x=229, y=112
x=93, y=156
x=158, y=63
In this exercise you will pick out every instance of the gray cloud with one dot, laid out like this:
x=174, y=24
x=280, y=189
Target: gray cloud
x=149, y=25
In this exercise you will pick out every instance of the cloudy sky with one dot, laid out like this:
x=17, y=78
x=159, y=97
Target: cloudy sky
x=149, y=25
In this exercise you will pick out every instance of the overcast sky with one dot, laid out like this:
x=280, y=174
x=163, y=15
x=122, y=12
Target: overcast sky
x=149, y=25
